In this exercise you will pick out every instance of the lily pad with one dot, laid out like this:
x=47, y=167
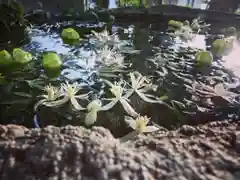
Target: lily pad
x=52, y=64
x=5, y=58
x=204, y=58
x=20, y=56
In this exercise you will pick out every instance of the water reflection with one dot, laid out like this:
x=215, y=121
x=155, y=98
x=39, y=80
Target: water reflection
x=173, y=72
x=231, y=61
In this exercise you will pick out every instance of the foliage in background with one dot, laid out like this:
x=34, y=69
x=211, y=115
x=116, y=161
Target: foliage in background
x=136, y=3
x=11, y=14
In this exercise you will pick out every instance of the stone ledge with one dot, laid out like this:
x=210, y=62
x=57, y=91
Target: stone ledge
x=206, y=152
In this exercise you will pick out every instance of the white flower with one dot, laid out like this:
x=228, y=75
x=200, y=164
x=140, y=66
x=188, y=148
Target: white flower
x=140, y=124
x=108, y=57
x=140, y=84
x=93, y=108
x=117, y=90
x=105, y=37
x=185, y=33
x=52, y=93
x=68, y=93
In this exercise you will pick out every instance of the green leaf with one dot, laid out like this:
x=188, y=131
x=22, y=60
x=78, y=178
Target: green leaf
x=23, y=94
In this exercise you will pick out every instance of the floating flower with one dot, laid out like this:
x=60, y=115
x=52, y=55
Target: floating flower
x=52, y=93
x=105, y=37
x=117, y=90
x=140, y=124
x=185, y=33
x=67, y=93
x=108, y=57
x=93, y=108
x=140, y=84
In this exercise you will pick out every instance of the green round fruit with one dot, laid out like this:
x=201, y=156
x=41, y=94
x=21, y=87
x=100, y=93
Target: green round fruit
x=204, y=58
x=70, y=34
x=176, y=24
x=52, y=64
x=218, y=47
x=5, y=58
x=21, y=57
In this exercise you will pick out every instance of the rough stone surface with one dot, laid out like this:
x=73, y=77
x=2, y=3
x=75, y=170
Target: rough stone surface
x=207, y=152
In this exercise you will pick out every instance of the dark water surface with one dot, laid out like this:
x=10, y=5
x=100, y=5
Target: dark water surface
x=174, y=74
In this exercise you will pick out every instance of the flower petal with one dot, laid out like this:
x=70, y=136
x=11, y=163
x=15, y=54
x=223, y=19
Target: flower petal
x=76, y=105
x=56, y=103
x=133, y=80
x=109, y=105
x=108, y=83
x=128, y=93
x=38, y=104
x=150, y=129
x=146, y=99
x=82, y=96
x=90, y=118
x=130, y=121
x=128, y=108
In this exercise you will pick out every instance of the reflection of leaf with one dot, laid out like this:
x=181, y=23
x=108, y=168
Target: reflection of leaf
x=179, y=104
x=35, y=84
x=162, y=73
x=108, y=75
x=9, y=87
x=17, y=101
x=163, y=98
x=23, y=94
